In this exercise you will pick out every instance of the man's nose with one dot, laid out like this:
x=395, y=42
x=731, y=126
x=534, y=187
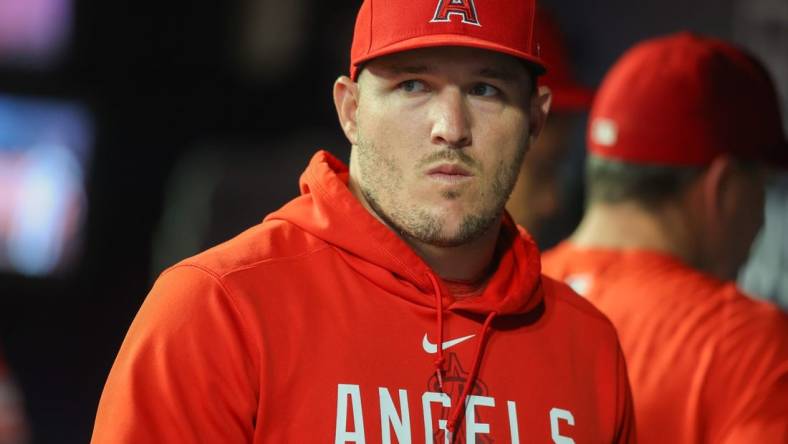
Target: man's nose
x=451, y=124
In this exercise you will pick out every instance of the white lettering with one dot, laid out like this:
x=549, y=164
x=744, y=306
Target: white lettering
x=427, y=399
x=473, y=428
x=395, y=415
x=390, y=416
x=555, y=415
x=513, y=428
x=342, y=434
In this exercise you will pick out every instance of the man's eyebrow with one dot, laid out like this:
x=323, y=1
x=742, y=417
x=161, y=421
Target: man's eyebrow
x=506, y=75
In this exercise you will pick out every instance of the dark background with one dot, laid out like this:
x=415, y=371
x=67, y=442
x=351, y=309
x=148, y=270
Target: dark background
x=165, y=78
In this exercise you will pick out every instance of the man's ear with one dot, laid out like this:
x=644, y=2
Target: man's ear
x=346, y=102
x=717, y=181
x=540, y=107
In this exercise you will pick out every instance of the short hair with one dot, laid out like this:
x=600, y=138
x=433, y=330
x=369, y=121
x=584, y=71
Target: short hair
x=614, y=181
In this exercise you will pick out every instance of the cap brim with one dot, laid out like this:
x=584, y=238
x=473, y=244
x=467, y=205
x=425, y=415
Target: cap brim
x=431, y=41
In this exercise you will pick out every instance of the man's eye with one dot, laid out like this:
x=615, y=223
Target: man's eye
x=412, y=86
x=484, y=90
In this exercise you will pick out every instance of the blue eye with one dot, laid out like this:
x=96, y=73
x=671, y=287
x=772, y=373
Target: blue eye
x=484, y=90
x=413, y=86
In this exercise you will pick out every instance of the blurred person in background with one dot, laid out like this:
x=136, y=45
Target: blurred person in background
x=399, y=276
x=682, y=132
x=13, y=426
x=537, y=197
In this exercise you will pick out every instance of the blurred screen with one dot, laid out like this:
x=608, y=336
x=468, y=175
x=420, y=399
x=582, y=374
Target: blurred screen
x=34, y=33
x=45, y=148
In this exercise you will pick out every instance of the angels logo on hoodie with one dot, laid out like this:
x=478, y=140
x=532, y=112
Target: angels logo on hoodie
x=465, y=9
x=453, y=385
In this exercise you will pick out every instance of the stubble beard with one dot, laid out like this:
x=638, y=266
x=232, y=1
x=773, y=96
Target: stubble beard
x=381, y=178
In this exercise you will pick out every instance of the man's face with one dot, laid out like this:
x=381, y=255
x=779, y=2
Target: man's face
x=439, y=138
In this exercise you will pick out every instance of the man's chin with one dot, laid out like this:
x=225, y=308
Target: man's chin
x=456, y=236
x=445, y=241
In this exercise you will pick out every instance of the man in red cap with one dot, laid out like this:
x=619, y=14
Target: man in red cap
x=681, y=133
x=393, y=300
x=535, y=202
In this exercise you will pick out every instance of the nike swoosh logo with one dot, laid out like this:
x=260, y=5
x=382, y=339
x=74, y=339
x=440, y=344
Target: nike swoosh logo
x=429, y=347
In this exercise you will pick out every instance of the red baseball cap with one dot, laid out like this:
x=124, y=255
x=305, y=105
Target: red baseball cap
x=388, y=26
x=683, y=100
x=568, y=94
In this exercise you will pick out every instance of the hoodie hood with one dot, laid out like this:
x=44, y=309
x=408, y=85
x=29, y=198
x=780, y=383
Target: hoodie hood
x=328, y=210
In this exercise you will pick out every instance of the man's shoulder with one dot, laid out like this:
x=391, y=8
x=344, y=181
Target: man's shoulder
x=641, y=272
x=635, y=288
x=573, y=307
x=750, y=320
x=554, y=258
x=270, y=241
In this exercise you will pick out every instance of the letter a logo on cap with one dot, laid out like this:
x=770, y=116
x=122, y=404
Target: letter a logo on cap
x=464, y=8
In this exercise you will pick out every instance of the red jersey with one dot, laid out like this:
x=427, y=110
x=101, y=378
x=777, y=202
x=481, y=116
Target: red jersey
x=322, y=325
x=707, y=363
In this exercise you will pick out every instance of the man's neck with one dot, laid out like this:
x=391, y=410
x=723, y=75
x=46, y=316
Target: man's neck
x=630, y=226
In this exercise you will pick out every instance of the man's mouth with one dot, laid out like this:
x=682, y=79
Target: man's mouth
x=448, y=172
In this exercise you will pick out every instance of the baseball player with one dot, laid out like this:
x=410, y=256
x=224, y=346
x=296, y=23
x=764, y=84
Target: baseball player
x=393, y=301
x=681, y=133
x=536, y=200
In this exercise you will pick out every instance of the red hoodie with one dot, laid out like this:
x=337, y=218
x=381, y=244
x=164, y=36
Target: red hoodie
x=321, y=325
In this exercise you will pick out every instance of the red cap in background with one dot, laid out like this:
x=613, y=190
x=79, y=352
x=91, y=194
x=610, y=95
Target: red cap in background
x=389, y=26
x=568, y=94
x=684, y=99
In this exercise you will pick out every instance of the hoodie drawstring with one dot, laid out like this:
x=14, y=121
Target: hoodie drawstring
x=439, y=304
x=455, y=416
